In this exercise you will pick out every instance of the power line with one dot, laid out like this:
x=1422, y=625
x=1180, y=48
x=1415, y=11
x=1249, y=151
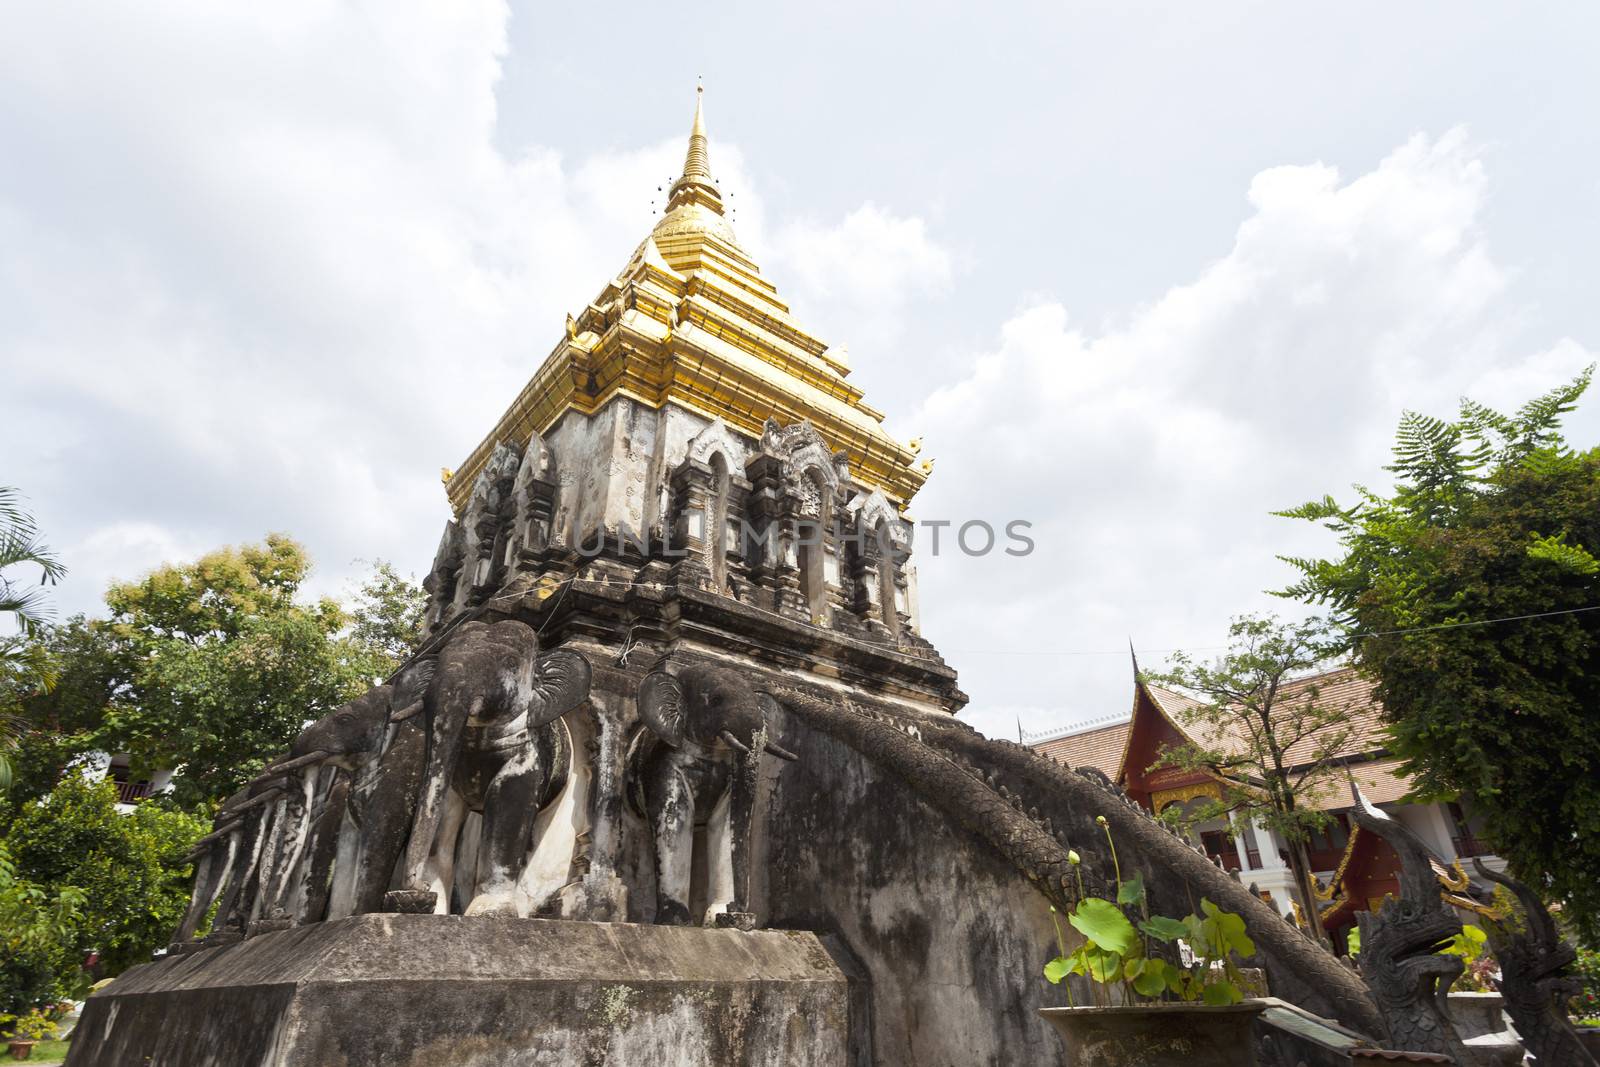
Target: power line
x=561, y=587
x=1220, y=648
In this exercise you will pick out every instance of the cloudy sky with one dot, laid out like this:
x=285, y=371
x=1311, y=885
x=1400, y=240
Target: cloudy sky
x=1137, y=273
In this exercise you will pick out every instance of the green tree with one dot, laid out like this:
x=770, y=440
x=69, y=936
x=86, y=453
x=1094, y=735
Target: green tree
x=63, y=722
x=208, y=668
x=21, y=547
x=388, y=614
x=1273, y=748
x=1471, y=593
x=25, y=665
x=128, y=867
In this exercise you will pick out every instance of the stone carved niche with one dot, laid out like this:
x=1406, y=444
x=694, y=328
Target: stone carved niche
x=533, y=502
x=706, y=510
x=797, y=487
x=879, y=544
x=440, y=584
x=507, y=524
x=809, y=468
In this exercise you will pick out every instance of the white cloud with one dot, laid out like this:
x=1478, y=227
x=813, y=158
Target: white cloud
x=1149, y=453
x=871, y=257
x=266, y=269
x=858, y=277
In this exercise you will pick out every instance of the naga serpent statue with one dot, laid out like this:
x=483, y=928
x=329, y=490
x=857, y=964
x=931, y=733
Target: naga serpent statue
x=1533, y=979
x=1400, y=943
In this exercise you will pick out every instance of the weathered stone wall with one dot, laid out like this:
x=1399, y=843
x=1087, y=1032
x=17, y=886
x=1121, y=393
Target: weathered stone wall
x=615, y=466
x=953, y=939
x=425, y=990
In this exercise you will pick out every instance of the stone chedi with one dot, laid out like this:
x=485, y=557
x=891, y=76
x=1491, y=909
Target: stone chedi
x=674, y=694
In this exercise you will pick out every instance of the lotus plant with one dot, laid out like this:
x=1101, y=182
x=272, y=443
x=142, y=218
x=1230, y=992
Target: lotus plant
x=1120, y=938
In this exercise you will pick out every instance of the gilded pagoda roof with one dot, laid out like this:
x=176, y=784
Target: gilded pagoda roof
x=691, y=321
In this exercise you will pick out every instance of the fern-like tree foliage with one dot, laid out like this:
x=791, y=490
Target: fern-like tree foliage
x=1492, y=516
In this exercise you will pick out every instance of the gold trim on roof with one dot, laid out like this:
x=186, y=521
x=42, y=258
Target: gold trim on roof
x=1162, y=797
x=690, y=321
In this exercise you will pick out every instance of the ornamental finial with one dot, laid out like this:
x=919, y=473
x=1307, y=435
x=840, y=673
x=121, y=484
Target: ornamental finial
x=695, y=165
x=694, y=203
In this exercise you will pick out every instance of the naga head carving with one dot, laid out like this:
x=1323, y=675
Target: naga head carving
x=1535, y=957
x=1534, y=979
x=1401, y=943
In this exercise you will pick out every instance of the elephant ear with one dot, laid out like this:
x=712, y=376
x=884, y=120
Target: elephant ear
x=411, y=686
x=562, y=684
x=661, y=706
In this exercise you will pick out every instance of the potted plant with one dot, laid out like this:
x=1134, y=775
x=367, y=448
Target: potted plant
x=1167, y=992
x=22, y=1032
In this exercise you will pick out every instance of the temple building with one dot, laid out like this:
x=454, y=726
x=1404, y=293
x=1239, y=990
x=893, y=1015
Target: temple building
x=687, y=431
x=674, y=777
x=1354, y=871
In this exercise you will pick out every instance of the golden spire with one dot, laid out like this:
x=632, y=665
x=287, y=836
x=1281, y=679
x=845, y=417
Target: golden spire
x=696, y=187
x=694, y=164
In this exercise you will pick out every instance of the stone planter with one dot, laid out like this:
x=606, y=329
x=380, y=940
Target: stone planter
x=20, y=1049
x=1477, y=1014
x=1158, y=1035
x=1589, y=1038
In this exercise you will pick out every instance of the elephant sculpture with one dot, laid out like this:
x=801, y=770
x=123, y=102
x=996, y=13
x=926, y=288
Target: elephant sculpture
x=358, y=770
x=230, y=857
x=215, y=857
x=494, y=747
x=708, y=730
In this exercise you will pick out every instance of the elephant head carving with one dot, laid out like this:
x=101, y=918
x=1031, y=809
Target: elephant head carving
x=343, y=736
x=711, y=727
x=488, y=713
x=706, y=705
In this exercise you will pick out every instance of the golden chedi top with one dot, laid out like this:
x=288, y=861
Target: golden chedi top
x=691, y=321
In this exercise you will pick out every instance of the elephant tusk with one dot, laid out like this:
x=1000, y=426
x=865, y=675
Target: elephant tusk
x=405, y=713
x=780, y=752
x=734, y=743
x=259, y=799
x=295, y=764
x=202, y=846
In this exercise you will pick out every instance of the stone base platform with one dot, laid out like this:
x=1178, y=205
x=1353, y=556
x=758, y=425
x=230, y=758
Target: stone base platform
x=427, y=990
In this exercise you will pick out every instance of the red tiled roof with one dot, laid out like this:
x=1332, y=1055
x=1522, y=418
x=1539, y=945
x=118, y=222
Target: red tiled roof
x=1100, y=747
x=1342, y=689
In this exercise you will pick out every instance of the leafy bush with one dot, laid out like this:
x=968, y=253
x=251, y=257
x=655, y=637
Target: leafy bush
x=1586, y=1005
x=36, y=927
x=124, y=871
x=31, y=1025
